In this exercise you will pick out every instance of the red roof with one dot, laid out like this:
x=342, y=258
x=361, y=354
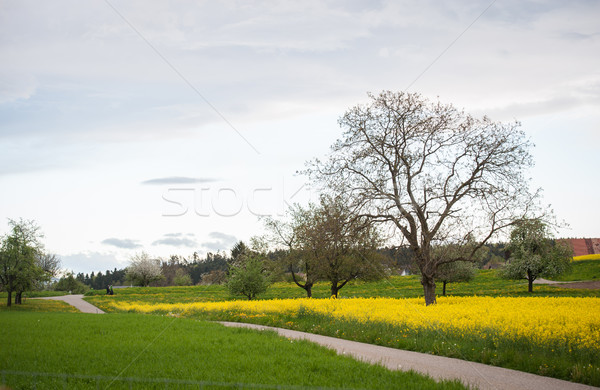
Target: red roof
x=583, y=246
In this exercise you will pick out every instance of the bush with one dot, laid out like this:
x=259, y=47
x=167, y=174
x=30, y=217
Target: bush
x=248, y=279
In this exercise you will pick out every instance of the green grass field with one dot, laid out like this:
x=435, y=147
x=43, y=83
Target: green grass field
x=36, y=294
x=582, y=270
x=64, y=350
x=39, y=305
x=41, y=349
x=521, y=355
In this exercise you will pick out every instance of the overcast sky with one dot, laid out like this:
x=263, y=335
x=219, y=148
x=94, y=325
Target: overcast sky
x=169, y=126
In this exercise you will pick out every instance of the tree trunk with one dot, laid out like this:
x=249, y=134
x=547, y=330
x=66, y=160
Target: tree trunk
x=308, y=288
x=334, y=289
x=444, y=288
x=530, y=280
x=9, y=301
x=429, y=289
x=18, y=298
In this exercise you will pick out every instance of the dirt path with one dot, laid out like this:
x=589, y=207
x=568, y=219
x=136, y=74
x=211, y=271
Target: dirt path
x=78, y=302
x=479, y=375
x=585, y=284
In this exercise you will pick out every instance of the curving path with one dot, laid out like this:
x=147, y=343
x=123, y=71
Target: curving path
x=78, y=302
x=478, y=375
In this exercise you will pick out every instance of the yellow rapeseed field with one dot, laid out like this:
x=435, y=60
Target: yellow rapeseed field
x=570, y=322
x=587, y=257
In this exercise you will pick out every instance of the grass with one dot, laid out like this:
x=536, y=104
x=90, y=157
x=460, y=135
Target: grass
x=35, y=294
x=521, y=355
x=97, y=348
x=582, y=270
x=54, y=350
x=44, y=305
x=504, y=343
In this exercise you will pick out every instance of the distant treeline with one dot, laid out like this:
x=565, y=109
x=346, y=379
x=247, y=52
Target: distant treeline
x=213, y=268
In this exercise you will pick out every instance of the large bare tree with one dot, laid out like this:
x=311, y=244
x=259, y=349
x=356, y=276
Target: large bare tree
x=437, y=174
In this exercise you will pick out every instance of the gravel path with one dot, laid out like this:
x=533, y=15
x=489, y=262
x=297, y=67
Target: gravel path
x=479, y=375
x=584, y=284
x=78, y=302
x=546, y=281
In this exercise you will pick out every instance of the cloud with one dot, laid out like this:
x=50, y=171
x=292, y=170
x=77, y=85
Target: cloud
x=124, y=243
x=221, y=241
x=562, y=98
x=177, y=180
x=91, y=261
x=177, y=240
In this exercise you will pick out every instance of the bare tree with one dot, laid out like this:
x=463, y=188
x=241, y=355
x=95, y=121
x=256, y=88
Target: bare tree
x=339, y=245
x=437, y=174
x=284, y=233
x=50, y=263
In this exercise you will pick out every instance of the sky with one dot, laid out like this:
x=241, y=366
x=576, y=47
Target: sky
x=170, y=127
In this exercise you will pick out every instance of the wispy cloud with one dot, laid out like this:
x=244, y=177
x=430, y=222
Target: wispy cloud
x=177, y=240
x=124, y=243
x=178, y=180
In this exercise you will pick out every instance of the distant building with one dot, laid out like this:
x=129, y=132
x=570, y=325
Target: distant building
x=583, y=246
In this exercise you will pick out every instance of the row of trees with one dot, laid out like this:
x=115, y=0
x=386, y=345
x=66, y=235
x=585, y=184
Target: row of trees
x=442, y=181
x=533, y=254
x=321, y=246
x=99, y=280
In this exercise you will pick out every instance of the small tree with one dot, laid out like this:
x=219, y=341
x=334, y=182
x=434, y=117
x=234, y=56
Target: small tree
x=19, y=251
x=457, y=271
x=69, y=283
x=534, y=254
x=248, y=279
x=143, y=270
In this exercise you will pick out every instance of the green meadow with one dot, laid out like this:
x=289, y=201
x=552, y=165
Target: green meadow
x=65, y=350
x=45, y=345
x=524, y=355
x=582, y=270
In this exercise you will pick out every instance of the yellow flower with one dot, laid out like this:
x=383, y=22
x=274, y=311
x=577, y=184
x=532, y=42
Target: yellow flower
x=566, y=321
